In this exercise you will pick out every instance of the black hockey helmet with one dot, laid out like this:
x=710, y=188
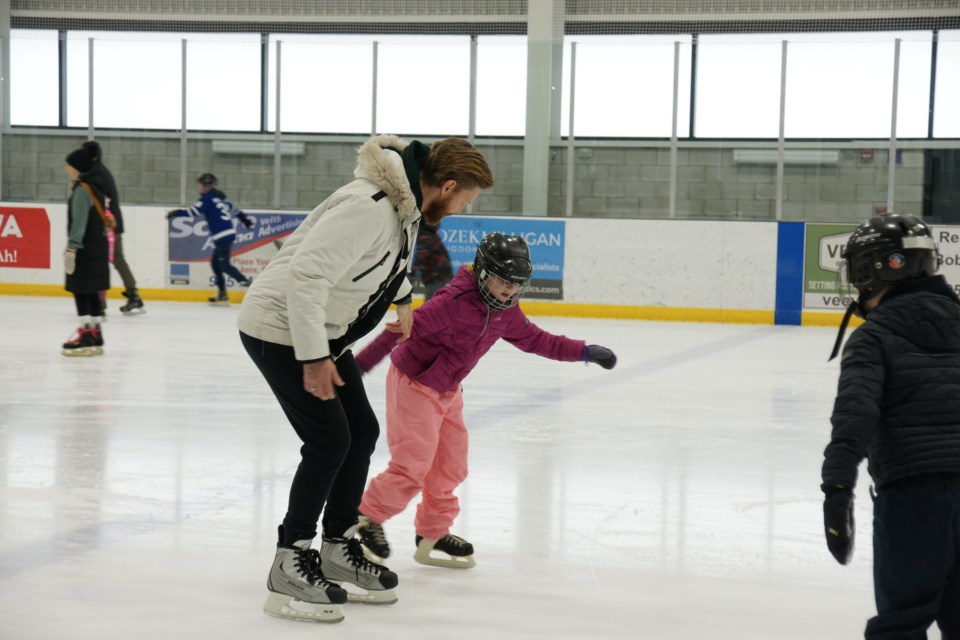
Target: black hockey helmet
x=505, y=257
x=888, y=249
x=883, y=251
x=207, y=180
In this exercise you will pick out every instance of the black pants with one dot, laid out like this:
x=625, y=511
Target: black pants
x=220, y=263
x=338, y=438
x=88, y=304
x=916, y=563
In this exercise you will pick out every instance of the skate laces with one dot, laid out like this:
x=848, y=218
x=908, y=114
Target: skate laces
x=375, y=533
x=354, y=553
x=455, y=541
x=308, y=566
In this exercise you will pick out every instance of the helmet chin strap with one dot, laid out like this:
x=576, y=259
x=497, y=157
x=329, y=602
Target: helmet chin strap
x=852, y=309
x=858, y=308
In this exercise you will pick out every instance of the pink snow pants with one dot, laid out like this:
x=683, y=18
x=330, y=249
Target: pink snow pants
x=428, y=455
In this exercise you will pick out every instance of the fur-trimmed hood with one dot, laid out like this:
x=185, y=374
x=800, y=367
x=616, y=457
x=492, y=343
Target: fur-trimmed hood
x=380, y=162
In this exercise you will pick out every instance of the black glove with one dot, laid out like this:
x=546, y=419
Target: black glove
x=172, y=214
x=247, y=222
x=600, y=355
x=838, y=522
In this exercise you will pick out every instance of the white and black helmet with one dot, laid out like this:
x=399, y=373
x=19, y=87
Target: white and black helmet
x=883, y=251
x=886, y=250
x=505, y=257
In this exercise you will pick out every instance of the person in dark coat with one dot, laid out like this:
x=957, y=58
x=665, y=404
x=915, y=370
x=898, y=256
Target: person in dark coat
x=100, y=173
x=431, y=263
x=898, y=405
x=86, y=258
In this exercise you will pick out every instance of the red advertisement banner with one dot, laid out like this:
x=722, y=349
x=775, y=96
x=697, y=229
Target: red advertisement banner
x=24, y=238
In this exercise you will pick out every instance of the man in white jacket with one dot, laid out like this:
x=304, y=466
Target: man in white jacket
x=330, y=284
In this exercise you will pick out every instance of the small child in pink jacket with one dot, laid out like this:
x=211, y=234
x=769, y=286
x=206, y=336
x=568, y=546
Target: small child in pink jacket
x=425, y=429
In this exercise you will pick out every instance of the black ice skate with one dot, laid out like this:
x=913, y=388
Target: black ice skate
x=344, y=563
x=298, y=589
x=134, y=303
x=220, y=300
x=375, y=545
x=459, y=552
x=97, y=341
x=86, y=341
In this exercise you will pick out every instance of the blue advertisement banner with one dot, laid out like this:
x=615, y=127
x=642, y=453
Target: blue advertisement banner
x=546, y=239
x=190, y=247
x=189, y=238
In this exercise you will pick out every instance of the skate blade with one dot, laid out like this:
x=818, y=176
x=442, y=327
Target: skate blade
x=360, y=595
x=447, y=561
x=280, y=605
x=81, y=353
x=133, y=312
x=224, y=303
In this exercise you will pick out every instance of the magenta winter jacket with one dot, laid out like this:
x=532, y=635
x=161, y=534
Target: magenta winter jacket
x=454, y=329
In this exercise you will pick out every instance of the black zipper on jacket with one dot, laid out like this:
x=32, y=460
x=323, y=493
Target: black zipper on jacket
x=371, y=313
x=376, y=266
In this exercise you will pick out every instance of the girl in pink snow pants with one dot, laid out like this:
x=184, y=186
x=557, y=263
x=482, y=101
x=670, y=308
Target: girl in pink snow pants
x=425, y=429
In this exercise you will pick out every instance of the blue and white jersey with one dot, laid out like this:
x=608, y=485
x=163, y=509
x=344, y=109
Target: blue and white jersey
x=219, y=213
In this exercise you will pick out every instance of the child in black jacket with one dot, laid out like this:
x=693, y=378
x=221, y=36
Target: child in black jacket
x=898, y=405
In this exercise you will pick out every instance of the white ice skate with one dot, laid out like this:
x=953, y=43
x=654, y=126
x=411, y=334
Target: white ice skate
x=344, y=563
x=449, y=551
x=298, y=589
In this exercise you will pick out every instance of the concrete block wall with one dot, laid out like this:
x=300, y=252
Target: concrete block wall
x=630, y=182
x=148, y=171
x=610, y=181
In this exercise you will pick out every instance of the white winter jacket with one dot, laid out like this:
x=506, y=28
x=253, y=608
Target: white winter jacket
x=340, y=259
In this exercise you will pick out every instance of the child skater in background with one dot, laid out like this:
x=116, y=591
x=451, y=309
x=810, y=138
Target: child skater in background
x=425, y=429
x=219, y=213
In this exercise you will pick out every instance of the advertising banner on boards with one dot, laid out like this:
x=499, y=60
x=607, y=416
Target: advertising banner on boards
x=190, y=247
x=24, y=238
x=823, y=247
x=546, y=239
x=948, y=243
